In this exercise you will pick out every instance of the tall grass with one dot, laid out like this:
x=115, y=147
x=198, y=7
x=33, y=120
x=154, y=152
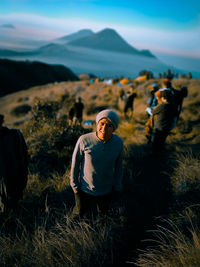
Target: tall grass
x=68, y=243
x=177, y=244
x=41, y=232
x=174, y=247
x=186, y=176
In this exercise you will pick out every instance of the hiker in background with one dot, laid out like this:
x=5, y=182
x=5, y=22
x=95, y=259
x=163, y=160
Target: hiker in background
x=129, y=104
x=96, y=171
x=13, y=166
x=121, y=96
x=121, y=93
x=78, y=111
x=71, y=116
x=177, y=96
x=167, y=85
x=151, y=98
x=150, y=123
x=163, y=120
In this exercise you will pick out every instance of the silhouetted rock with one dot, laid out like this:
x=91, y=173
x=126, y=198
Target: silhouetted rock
x=19, y=75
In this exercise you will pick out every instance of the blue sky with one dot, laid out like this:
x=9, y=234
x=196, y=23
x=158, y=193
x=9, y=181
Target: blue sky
x=163, y=26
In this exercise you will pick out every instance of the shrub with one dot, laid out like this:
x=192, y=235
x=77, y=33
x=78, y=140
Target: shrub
x=21, y=110
x=50, y=140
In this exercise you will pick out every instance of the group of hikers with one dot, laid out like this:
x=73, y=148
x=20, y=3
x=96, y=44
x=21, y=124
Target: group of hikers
x=164, y=106
x=96, y=170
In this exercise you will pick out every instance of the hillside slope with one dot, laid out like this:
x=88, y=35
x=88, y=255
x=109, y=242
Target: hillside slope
x=19, y=75
x=149, y=193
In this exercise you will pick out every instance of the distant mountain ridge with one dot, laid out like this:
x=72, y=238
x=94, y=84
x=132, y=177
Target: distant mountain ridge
x=105, y=54
x=53, y=48
x=75, y=36
x=110, y=40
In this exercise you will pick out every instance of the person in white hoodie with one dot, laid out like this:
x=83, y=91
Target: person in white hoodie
x=96, y=170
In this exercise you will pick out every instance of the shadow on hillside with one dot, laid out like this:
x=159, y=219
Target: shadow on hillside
x=36, y=212
x=146, y=196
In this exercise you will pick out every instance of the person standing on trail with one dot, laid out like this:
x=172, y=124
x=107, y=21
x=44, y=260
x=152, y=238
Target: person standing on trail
x=129, y=103
x=163, y=119
x=78, y=111
x=71, y=116
x=155, y=100
x=96, y=171
x=177, y=96
x=13, y=167
x=151, y=98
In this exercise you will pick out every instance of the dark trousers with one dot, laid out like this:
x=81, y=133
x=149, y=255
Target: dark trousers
x=90, y=206
x=158, y=140
x=8, y=200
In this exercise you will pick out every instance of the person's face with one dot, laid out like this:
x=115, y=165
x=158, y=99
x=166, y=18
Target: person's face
x=105, y=129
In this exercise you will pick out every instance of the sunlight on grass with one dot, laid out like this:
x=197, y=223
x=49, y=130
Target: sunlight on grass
x=41, y=233
x=186, y=176
x=173, y=247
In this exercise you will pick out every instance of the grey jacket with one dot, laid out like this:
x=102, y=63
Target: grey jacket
x=96, y=165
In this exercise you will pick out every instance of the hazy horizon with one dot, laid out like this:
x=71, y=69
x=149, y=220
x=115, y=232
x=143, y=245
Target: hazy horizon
x=170, y=30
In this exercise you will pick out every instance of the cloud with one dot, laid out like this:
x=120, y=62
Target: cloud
x=41, y=27
x=173, y=42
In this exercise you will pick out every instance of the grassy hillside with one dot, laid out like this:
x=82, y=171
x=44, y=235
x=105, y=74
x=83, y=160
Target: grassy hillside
x=160, y=194
x=19, y=75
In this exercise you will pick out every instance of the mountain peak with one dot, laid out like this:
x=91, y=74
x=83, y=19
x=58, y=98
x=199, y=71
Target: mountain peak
x=108, y=30
x=108, y=39
x=109, y=33
x=75, y=36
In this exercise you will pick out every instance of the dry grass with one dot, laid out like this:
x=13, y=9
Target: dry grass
x=172, y=246
x=186, y=176
x=41, y=232
x=66, y=244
